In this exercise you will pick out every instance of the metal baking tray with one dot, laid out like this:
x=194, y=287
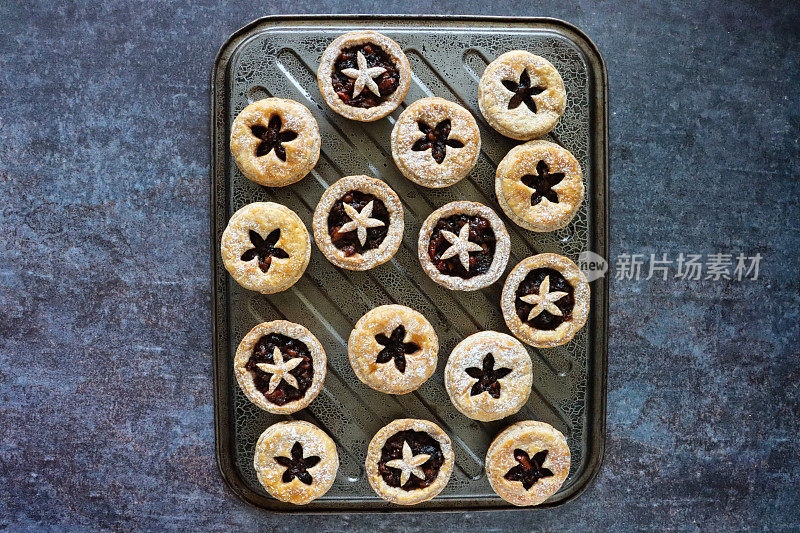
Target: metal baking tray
x=278, y=56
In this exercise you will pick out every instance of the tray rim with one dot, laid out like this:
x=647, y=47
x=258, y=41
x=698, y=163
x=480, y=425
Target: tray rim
x=600, y=218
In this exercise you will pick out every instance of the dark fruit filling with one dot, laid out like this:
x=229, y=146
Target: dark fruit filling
x=297, y=466
x=420, y=443
x=376, y=57
x=395, y=348
x=522, y=91
x=487, y=377
x=348, y=242
x=530, y=285
x=436, y=140
x=542, y=183
x=480, y=232
x=290, y=348
x=530, y=469
x=264, y=249
x=272, y=138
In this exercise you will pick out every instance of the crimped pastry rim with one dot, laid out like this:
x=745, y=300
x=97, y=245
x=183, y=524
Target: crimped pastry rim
x=245, y=379
x=396, y=494
x=325, y=71
x=566, y=330
x=371, y=258
x=501, y=253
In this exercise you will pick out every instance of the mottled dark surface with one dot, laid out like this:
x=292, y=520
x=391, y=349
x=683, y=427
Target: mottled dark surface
x=105, y=371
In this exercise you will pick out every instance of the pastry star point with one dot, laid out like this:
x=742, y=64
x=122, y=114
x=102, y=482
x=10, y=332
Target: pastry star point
x=461, y=245
x=280, y=370
x=544, y=300
x=364, y=76
x=409, y=464
x=360, y=221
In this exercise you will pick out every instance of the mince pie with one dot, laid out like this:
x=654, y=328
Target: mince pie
x=393, y=349
x=275, y=142
x=364, y=75
x=488, y=376
x=358, y=223
x=280, y=366
x=266, y=247
x=296, y=462
x=409, y=461
x=435, y=143
x=528, y=462
x=539, y=185
x=521, y=95
x=463, y=246
x=545, y=300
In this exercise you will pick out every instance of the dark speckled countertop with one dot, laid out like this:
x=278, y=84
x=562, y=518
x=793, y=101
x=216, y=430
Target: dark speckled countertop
x=105, y=370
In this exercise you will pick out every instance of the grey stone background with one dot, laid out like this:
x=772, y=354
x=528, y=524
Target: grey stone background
x=105, y=374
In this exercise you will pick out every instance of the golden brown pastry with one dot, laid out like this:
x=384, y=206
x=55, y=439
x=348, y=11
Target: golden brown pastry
x=521, y=95
x=358, y=223
x=463, y=246
x=393, y=349
x=528, y=462
x=275, y=142
x=409, y=461
x=296, y=462
x=545, y=300
x=539, y=185
x=435, y=143
x=280, y=366
x=364, y=75
x=265, y=247
x=488, y=376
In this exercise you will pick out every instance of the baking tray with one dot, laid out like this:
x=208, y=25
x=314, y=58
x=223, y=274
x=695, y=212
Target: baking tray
x=278, y=56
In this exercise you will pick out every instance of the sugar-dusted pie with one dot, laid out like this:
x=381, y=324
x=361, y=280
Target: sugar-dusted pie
x=463, y=246
x=280, y=366
x=545, y=300
x=435, y=142
x=539, y=185
x=265, y=247
x=393, y=349
x=521, y=95
x=296, y=462
x=358, y=223
x=275, y=142
x=364, y=75
x=488, y=376
x=409, y=461
x=527, y=462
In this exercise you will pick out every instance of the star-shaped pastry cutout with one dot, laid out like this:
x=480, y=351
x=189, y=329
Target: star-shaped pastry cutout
x=544, y=300
x=297, y=466
x=530, y=469
x=409, y=464
x=488, y=377
x=364, y=76
x=280, y=370
x=395, y=348
x=461, y=245
x=265, y=249
x=360, y=221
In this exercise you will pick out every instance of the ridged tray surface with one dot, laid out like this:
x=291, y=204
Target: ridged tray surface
x=279, y=58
